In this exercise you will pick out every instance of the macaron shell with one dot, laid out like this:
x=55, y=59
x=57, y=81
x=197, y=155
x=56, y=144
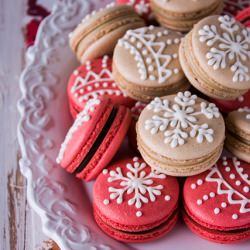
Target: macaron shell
x=124, y=216
x=219, y=198
x=224, y=76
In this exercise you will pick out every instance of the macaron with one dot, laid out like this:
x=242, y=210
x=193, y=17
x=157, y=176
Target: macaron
x=99, y=31
x=135, y=112
x=228, y=106
x=146, y=64
x=133, y=203
x=238, y=133
x=181, y=15
x=217, y=202
x=91, y=80
x=215, y=57
x=141, y=7
x=94, y=138
x=233, y=7
x=180, y=135
x=244, y=16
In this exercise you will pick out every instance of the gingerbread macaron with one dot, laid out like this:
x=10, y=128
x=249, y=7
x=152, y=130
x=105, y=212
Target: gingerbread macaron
x=217, y=202
x=215, y=57
x=238, y=133
x=99, y=31
x=180, y=135
x=133, y=203
x=94, y=138
x=146, y=64
x=181, y=15
x=92, y=80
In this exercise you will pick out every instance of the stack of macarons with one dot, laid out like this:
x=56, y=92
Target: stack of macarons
x=183, y=102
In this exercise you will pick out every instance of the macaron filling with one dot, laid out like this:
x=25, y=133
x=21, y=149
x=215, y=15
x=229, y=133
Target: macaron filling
x=98, y=141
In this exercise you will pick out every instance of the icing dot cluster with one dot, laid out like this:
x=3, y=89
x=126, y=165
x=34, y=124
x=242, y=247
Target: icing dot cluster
x=235, y=174
x=137, y=183
x=95, y=84
x=150, y=52
x=141, y=6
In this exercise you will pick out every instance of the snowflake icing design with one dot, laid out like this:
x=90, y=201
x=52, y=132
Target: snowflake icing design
x=136, y=183
x=176, y=119
x=150, y=53
x=233, y=48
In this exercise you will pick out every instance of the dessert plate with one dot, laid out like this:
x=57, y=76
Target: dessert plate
x=63, y=202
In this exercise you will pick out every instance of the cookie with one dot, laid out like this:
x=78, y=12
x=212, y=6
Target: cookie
x=217, y=202
x=146, y=64
x=98, y=32
x=215, y=56
x=181, y=15
x=244, y=16
x=238, y=133
x=228, y=106
x=91, y=80
x=133, y=203
x=94, y=138
x=141, y=7
x=135, y=112
x=180, y=135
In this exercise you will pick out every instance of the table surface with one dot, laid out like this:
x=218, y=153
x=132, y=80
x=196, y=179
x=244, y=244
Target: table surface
x=19, y=225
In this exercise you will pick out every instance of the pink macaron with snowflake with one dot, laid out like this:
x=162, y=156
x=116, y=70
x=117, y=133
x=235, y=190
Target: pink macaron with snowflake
x=217, y=202
x=133, y=203
x=94, y=79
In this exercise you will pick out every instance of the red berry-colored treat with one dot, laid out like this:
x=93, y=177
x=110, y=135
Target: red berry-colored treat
x=135, y=111
x=217, y=202
x=228, y=106
x=142, y=7
x=233, y=7
x=244, y=16
x=94, y=138
x=133, y=203
x=91, y=80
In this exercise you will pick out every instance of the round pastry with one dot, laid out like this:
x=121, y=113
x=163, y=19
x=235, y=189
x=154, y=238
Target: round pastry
x=91, y=80
x=98, y=32
x=146, y=64
x=135, y=112
x=238, y=133
x=228, y=106
x=215, y=56
x=142, y=7
x=94, y=138
x=181, y=15
x=180, y=135
x=133, y=203
x=244, y=16
x=217, y=202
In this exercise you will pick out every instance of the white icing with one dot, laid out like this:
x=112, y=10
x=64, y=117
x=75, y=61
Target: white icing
x=235, y=216
x=223, y=204
x=136, y=182
x=142, y=6
x=246, y=110
x=199, y=182
x=105, y=171
x=167, y=198
x=138, y=213
x=212, y=194
x=228, y=47
x=81, y=118
x=106, y=202
x=205, y=197
x=199, y=202
x=216, y=210
x=135, y=40
x=193, y=186
x=174, y=120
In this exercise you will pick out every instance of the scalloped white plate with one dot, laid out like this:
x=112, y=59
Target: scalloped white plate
x=63, y=202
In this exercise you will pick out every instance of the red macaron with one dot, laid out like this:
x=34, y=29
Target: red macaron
x=94, y=138
x=91, y=80
x=217, y=202
x=133, y=203
x=244, y=16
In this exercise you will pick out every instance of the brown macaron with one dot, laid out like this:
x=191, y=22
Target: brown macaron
x=215, y=57
x=180, y=135
x=98, y=32
x=238, y=133
x=181, y=15
x=146, y=64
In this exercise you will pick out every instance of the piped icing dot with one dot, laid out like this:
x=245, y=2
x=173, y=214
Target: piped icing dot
x=246, y=189
x=212, y=194
x=75, y=72
x=199, y=202
x=205, y=197
x=193, y=186
x=216, y=210
x=138, y=213
x=105, y=171
x=235, y=216
x=167, y=198
x=106, y=202
x=223, y=204
x=199, y=182
x=238, y=183
x=228, y=169
x=225, y=163
x=232, y=176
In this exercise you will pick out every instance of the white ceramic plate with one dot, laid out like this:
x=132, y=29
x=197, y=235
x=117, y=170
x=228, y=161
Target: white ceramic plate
x=63, y=202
